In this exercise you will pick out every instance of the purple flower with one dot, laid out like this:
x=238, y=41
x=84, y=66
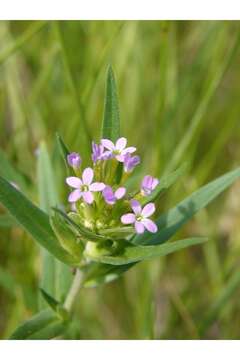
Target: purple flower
x=98, y=153
x=84, y=187
x=130, y=162
x=117, y=150
x=140, y=217
x=74, y=160
x=111, y=197
x=148, y=185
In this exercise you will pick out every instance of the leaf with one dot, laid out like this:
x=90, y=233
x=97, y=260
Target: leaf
x=32, y=219
x=132, y=254
x=53, y=303
x=170, y=222
x=164, y=183
x=80, y=228
x=33, y=325
x=97, y=274
x=111, y=119
x=51, y=331
x=64, y=151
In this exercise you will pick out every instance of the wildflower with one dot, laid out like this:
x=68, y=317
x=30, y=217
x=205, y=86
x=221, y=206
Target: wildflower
x=130, y=162
x=97, y=152
x=118, y=150
x=140, y=217
x=84, y=187
x=74, y=160
x=149, y=183
x=111, y=197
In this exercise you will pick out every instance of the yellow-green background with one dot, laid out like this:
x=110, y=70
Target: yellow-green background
x=179, y=99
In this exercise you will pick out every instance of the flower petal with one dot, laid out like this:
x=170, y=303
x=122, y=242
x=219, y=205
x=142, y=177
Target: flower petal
x=135, y=205
x=87, y=176
x=74, y=182
x=155, y=182
x=88, y=197
x=120, y=192
x=150, y=225
x=108, y=144
x=120, y=158
x=147, y=181
x=139, y=227
x=97, y=186
x=74, y=196
x=128, y=218
x=121, y=143
x=148, y=210
x=129, y=150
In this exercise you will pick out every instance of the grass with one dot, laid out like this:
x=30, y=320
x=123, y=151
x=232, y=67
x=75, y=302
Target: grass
x=178, y=87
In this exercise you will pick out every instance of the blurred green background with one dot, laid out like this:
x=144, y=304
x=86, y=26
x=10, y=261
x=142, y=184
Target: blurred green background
x=178, y=87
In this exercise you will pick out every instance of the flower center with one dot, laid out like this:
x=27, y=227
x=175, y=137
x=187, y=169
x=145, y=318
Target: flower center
x=139, y=217
x=116, y=152
x=84, y=188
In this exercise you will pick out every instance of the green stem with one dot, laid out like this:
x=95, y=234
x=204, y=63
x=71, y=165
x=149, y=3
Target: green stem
x=73, y=292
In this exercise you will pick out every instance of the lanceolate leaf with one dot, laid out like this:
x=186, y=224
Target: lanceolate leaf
x=111, y=121
x=175, y=218
x=34, y=220
x=131, y=254
x=62, y=149
x=35, y=324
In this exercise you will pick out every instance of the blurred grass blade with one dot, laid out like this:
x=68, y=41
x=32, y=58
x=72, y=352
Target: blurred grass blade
x=170, y=222
x=53, y=271
x=32, y=219
x=111, y=119
x=132, y=254
x=165, y=182
x=6, y=220
x=21, y=40
x=220, y=301
x=9, y=172
x=33, y=325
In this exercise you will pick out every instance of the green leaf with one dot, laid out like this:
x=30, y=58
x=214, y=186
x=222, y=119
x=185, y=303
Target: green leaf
x=33, y=325
x=64, y=151
x=79, y=227
x=97, y=274
x=164, y=183
x=53, y=303
x=111, y=119
x=32, y=219
x=132, y=254
x=51, y=331
x=171, y=221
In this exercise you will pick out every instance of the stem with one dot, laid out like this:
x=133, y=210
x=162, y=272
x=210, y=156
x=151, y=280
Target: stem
x=76, y=285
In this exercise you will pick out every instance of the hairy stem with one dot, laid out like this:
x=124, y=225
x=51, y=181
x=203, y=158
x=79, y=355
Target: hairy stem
x=76, y=286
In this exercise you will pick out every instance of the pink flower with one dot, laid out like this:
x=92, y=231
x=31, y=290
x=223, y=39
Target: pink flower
x=84, y=187
x=111, y=197
x=140, y=216
x=149, y=183
x=117, y=150
x=74, y=160
x=130, y=162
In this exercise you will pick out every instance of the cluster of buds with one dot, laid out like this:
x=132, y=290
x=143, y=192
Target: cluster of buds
x=100, y=199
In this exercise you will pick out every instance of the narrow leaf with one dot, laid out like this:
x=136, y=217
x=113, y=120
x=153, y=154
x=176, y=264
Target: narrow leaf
x=63, y=150
x=32, y=219
x=132, y=254
x=111, y=119
x=171, y=221
x=6, y=221
x=35, y=324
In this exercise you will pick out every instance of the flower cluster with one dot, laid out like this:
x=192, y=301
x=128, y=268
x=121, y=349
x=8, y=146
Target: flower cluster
x=100, y=194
